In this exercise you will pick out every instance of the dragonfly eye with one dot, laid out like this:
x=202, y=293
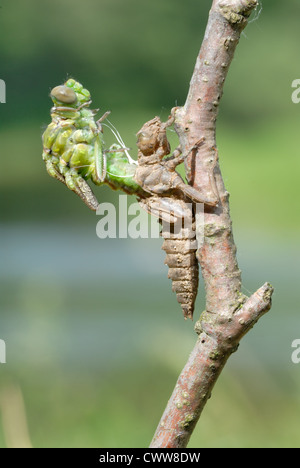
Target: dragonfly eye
x=64, y=94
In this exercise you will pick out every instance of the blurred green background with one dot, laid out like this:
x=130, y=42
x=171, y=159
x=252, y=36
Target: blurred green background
x=95, y=338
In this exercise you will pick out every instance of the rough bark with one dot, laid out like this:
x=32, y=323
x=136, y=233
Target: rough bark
x=229, y=313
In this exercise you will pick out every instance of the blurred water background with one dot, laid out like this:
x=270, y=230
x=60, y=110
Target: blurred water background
x=94, y=336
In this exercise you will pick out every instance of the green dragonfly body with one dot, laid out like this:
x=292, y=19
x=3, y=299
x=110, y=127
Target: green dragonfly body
x=73, y=147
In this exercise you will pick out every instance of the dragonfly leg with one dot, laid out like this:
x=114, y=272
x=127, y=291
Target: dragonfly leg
x=99, y=121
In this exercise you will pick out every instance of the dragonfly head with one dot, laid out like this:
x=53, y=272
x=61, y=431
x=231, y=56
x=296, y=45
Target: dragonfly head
x=70, y=94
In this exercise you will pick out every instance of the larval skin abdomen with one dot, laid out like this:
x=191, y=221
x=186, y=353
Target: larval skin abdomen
x=183, y=266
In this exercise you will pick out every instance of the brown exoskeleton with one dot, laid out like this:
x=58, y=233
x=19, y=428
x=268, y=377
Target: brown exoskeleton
x=170, y=199
x=157, y=175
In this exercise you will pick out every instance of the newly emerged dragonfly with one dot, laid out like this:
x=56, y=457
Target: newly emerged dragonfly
x=74, y=152
x=73, y=146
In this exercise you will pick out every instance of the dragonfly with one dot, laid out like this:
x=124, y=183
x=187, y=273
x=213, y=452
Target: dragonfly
x=73, y=146
x=74, y=153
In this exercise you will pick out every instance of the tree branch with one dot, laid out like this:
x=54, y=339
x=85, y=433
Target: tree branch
x=215, y=344
x=229, y=314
